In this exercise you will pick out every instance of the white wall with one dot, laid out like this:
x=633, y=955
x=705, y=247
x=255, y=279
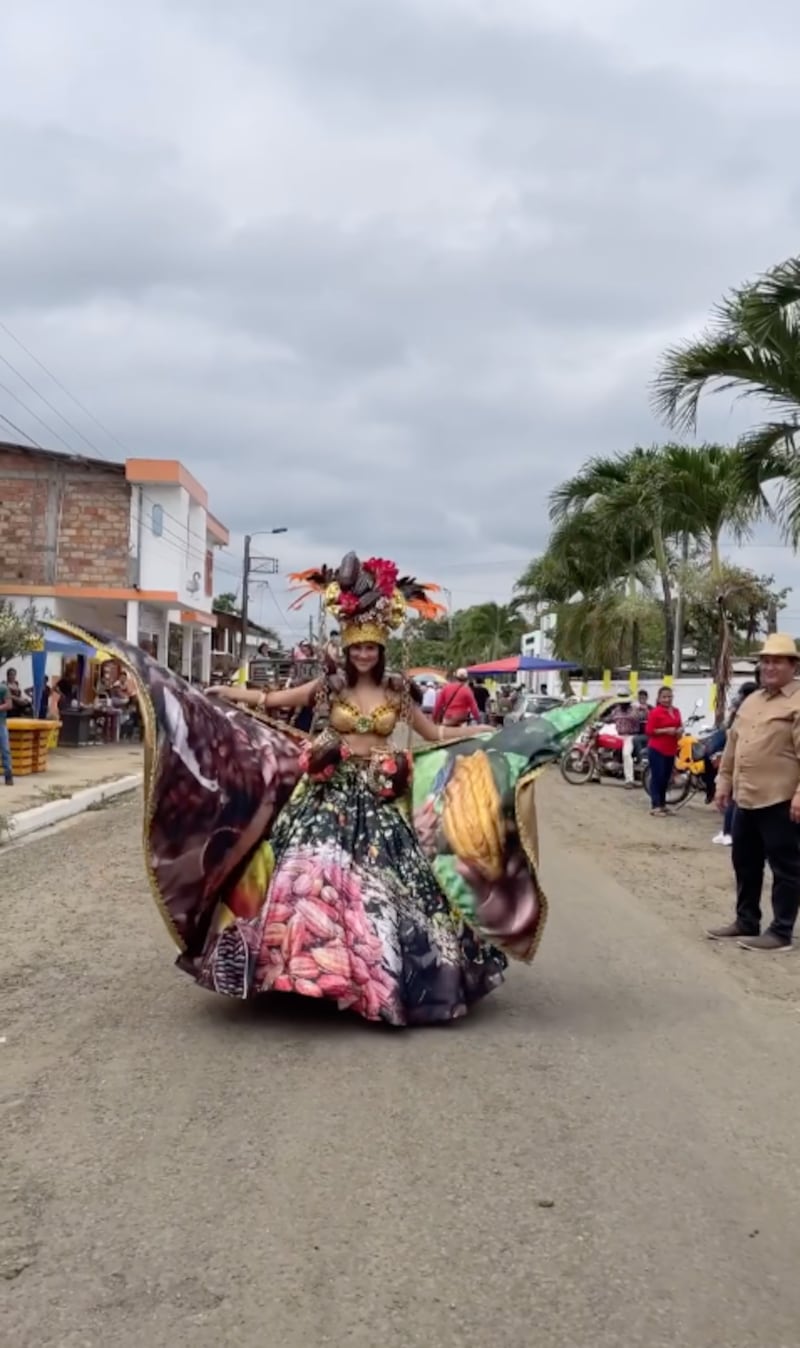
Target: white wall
x=162, y=563
x=154, y=622
x=171, y=560
x=687, y=691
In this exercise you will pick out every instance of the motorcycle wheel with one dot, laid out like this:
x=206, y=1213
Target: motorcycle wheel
x=578, y=768
x=678, y=791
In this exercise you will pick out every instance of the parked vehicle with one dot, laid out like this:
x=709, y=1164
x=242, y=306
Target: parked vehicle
x=688, y=777
x=597, y=754
x=533, y=704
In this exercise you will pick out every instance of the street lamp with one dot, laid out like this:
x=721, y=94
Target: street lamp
x=269, y=567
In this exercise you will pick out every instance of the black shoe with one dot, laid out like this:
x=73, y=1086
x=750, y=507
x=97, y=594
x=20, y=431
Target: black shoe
x=9, y=781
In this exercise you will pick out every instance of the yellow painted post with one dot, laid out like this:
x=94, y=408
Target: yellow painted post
x=584, y=689
x=606, y=680
x=633, y=682
x=668, y=680
x=712, y=698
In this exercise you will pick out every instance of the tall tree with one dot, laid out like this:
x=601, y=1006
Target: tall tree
x=226, y=603
x=19, y=632
x=486, y=632
x=624, y=495
x=709, y=492
x=596, y=575
x=751, y=348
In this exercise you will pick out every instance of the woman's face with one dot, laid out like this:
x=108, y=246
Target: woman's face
x=665, y=697
x=365, y=655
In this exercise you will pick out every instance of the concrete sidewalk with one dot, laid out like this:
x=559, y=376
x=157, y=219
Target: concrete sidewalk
x=70, y=771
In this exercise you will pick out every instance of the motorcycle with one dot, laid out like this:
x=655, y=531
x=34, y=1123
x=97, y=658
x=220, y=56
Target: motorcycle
x=688, y=778
x=597, y=754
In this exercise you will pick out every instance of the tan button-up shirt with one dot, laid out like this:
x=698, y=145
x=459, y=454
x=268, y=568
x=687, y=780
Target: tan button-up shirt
x=761, y=762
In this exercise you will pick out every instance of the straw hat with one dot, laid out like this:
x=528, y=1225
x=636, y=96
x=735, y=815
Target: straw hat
x=780, y=644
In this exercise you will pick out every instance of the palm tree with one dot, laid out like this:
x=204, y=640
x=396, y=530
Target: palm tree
x=626, y=494
x=486, y=632
x=710, y=492
x=752, y=347
x=596, y=577
x=603, y=631
x=662, y=493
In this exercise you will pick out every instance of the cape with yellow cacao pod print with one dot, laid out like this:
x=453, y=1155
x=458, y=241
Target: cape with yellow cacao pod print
x=475, y=817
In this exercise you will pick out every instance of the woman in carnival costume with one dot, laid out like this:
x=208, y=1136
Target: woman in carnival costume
x=335, y=865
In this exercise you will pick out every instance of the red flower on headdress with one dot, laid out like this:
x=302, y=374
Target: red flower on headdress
x=348, y=601
x=385, y=574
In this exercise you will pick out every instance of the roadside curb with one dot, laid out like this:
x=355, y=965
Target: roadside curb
x=55, y=811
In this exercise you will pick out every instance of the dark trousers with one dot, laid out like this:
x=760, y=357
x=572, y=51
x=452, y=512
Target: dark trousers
x=759, y=837
x=661, y=766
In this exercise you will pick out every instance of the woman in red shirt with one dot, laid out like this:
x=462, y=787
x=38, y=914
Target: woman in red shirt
x=663, y=729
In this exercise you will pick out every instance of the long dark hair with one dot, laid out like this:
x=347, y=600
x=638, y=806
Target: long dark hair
x=377, y=672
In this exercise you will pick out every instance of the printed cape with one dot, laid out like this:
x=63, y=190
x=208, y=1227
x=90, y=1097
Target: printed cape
x=216, y=777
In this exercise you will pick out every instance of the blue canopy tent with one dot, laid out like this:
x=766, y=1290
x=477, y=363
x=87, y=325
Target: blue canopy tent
x=57, y=643
x=531, y=663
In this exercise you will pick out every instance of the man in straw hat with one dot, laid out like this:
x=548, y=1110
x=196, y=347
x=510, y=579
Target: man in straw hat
x=760, y=771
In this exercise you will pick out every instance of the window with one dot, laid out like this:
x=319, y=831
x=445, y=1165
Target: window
x=157, y=521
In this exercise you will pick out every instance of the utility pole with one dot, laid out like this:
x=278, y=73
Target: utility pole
x=267, y=566
x=680, y=611
x=245, y=599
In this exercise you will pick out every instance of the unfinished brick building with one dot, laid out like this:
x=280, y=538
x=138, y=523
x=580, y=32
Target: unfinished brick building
x=124, y=547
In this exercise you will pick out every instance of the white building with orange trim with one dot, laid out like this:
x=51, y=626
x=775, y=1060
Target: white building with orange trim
x=122, y=548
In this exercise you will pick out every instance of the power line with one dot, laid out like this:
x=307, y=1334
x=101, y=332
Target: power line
x=75, y=429
x=36, y=417
x=179, y=543
x=19, y=431
x=63, y=387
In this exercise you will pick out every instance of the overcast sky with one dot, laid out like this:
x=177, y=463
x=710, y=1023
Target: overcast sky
x=384, y=273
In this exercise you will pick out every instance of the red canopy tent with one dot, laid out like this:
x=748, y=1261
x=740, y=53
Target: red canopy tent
x=496, y=668
x=513, y=664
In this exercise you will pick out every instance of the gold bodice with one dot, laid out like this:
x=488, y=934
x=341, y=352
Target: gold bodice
x=346, y=719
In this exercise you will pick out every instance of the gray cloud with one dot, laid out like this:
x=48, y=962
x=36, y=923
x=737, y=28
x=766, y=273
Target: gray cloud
x=384, y=274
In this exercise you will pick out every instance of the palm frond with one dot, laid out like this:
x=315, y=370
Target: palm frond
x=762, y=440
x=752, y=347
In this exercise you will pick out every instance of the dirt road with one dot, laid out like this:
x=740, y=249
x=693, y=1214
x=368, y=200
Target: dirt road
x=604, y=1156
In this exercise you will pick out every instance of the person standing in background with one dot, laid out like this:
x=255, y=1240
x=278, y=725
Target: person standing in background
x=481, y=694
x=663, y=727
x=760, y=771
x=429, y=699
x=456, y=703
x=725, y=837
x=626, y=723
x=6, y=705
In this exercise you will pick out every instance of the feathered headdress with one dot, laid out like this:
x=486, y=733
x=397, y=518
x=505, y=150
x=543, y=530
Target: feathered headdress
x=368, y=599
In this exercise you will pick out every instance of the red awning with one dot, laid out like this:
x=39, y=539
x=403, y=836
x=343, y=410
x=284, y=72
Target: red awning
x=509, y=665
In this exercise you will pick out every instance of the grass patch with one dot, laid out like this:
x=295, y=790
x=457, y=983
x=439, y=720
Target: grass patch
x=48, y=793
